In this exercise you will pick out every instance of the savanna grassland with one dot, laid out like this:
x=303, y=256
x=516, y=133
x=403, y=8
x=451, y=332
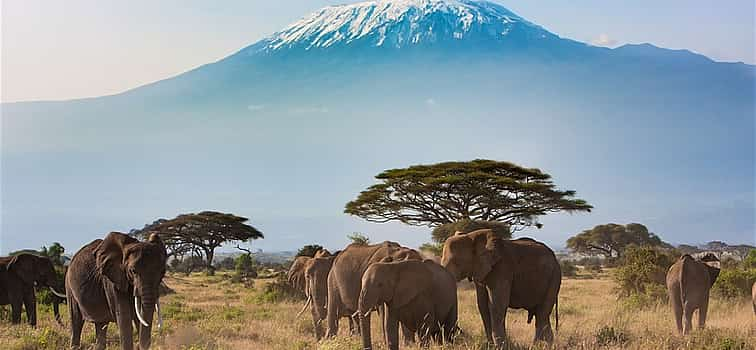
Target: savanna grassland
x=212, y=312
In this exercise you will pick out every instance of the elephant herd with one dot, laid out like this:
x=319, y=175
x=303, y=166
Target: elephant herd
x=419, y=296
x=102, y=280
x=117, y=280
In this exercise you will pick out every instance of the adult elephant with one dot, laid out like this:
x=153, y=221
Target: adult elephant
x=19, y=275
x=421, y=295
x=345, y=280
x=116, y=280
x=517, y=274
x=316, y=280
x=296, y=273
x=688, y=284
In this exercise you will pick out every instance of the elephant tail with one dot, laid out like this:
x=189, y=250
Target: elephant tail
x=556, y=313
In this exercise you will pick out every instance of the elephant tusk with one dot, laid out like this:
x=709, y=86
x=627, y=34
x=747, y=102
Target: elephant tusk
x=356, y=314
x=309, y=300
x=139, y=313
x=159, y=315
x=59, y=295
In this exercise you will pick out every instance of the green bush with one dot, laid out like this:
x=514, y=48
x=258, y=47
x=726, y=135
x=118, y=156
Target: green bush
x=568, y=268
x=278, y=291
x=609, y=336
x=734, y=283
x=642, y=271
x=750, y=260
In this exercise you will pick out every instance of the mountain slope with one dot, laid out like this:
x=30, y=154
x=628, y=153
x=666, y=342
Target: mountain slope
x=290, y=128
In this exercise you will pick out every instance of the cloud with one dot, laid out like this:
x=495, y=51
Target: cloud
x=604, y=40
x=310, y=110
x=254, y=108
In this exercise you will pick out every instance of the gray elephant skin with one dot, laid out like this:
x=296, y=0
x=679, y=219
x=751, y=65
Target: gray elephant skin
x=519, y=274
x=116, y=279
x=688, y=284
x=296, y=273
x=345, y=280
x=18, y=277
x=420, y=294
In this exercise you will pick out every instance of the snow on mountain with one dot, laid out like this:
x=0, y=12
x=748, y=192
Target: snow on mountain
x=400, y=23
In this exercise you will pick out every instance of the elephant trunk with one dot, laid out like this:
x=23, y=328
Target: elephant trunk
x=145, y=308
x=366, y=304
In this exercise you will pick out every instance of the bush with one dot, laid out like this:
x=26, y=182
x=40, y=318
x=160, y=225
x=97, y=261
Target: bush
x=609, y=336
x=359, y=238
x=278, y=291
x=433, y=248
x=568, y=268
x=750, y=260
x=309, y=250
x=642, y=270
x=734, y=283
x=227, y=263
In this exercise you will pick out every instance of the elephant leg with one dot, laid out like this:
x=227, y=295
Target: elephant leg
x=677, y=309
x=124, y=319
x=543, y=326
x=702, y=311
x=333, y=313
x=316, y=324
x=30, y=305
x=77, y=323
x=687, y=317
x=498, y=304
x=392, y=329
x=409, y=336
x=56, y=310
x=354, y=326
x=482, y=295
x=101, y=332
x=16, y=307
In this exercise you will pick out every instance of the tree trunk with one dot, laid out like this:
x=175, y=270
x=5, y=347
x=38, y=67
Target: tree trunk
x=209, y=263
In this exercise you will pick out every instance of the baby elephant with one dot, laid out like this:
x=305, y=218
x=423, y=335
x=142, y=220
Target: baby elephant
x=421, y=295
x=688, y=284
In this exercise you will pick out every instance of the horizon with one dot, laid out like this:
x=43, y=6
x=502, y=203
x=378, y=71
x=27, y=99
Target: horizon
x=74, y=178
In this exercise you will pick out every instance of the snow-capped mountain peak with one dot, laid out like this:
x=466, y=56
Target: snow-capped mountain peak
x=399, y=23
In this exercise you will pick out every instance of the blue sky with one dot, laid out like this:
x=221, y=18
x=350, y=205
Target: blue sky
x=80, y=48
x=93, y=48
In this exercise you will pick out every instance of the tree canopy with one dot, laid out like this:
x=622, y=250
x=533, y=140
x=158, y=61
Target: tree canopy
x=611, y=240
x=200, y=233
x=487, y=190
x=441, y=233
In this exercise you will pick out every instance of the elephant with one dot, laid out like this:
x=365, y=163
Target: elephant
x=316, y=280
x=518, y=274
x=18, y=276
x=295, y=276
x=345, y=281
x=688, y=284
x=420, y=294
x=116, y=279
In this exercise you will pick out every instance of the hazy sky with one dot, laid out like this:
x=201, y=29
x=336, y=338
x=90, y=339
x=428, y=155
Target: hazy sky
x=79, y=48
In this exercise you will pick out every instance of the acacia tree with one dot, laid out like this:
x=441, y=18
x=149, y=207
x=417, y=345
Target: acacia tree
x=487, y=190
x=611, y=240
x=201, y=233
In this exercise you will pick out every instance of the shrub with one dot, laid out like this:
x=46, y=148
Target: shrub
x=432, y=248
x=734, y=283
x=359, y=238
x=309, y=250
x=642, y=270
x=750, y=260
x=568, y=268
x=609, y=336
x=277, y=291
x=227, y=263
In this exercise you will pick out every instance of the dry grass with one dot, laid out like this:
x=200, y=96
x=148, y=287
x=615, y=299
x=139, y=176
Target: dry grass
x=213, y=313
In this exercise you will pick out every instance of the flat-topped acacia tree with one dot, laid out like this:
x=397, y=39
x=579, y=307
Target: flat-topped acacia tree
x=443, y=193
x=201, y=233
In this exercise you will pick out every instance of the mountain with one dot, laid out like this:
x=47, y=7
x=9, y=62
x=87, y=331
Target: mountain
x=290, y=128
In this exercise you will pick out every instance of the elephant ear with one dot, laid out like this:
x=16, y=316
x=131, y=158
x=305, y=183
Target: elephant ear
x=25, y=266
x=413, y=278
x=486, y=252
x=109, y=259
